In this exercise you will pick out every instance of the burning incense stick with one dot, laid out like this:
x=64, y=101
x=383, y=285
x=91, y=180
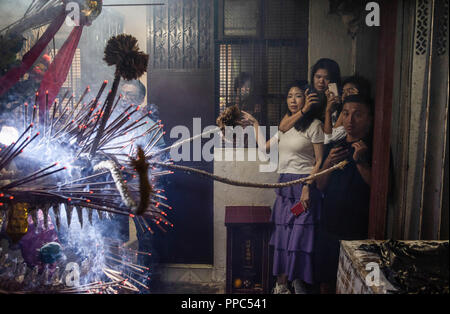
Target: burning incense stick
x=30, y=176
x=25, y=114
x=15, y=184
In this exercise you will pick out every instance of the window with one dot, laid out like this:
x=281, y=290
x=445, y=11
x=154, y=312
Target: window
x=72, y=83
x=73, y=80
x=265, y=42
x=241, y=17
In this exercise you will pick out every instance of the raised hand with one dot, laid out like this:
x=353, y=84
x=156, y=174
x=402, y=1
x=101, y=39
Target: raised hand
x=331, y=99
x=336, y=155
x=248, y=117
x=360, y=150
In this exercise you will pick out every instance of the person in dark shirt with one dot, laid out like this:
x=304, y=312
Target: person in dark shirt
x=346, y=192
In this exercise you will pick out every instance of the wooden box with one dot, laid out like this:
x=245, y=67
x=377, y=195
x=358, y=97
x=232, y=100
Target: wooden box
x=248, y=253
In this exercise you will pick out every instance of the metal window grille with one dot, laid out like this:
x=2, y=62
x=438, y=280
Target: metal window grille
x=73, y=79
x=275, y=57
x=241, y=17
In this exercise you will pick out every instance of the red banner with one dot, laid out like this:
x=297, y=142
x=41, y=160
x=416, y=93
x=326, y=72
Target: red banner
x=13, y=75
x=57, y=72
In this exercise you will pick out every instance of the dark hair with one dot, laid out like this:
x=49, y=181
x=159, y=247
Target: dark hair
x=240, y=80
x=305, y=121
x=366, y=101
x=302, y=84
x=361, y=83
x=361, y=99
x=334, y=75
x=334, y=72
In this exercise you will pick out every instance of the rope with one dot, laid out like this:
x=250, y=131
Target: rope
x=228, y=181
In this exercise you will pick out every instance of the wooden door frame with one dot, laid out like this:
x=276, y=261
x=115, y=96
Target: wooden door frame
x=382, y=119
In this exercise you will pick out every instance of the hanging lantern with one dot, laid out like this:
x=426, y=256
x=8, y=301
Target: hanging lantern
x=17, y=225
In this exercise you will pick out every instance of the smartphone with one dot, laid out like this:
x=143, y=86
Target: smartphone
x=297, y=209
x=332, y=87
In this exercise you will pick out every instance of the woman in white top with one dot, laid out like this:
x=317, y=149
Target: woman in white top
x=300, y=152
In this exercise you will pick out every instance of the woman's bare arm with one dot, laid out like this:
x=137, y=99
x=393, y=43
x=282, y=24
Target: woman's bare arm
x=305, y=198
x=260, y=139
x=318, y=153
x=289, y=121
x=331, y=100
x=339, y=121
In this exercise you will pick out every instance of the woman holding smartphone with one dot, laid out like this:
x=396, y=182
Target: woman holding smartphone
x=333, y=127
x=323, y=72
x=296, y=208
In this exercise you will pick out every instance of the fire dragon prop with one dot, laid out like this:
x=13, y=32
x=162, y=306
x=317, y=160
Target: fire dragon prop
x=93, y=142
x=95, y=171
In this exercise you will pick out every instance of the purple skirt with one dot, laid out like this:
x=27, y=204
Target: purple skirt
x=293, y=237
